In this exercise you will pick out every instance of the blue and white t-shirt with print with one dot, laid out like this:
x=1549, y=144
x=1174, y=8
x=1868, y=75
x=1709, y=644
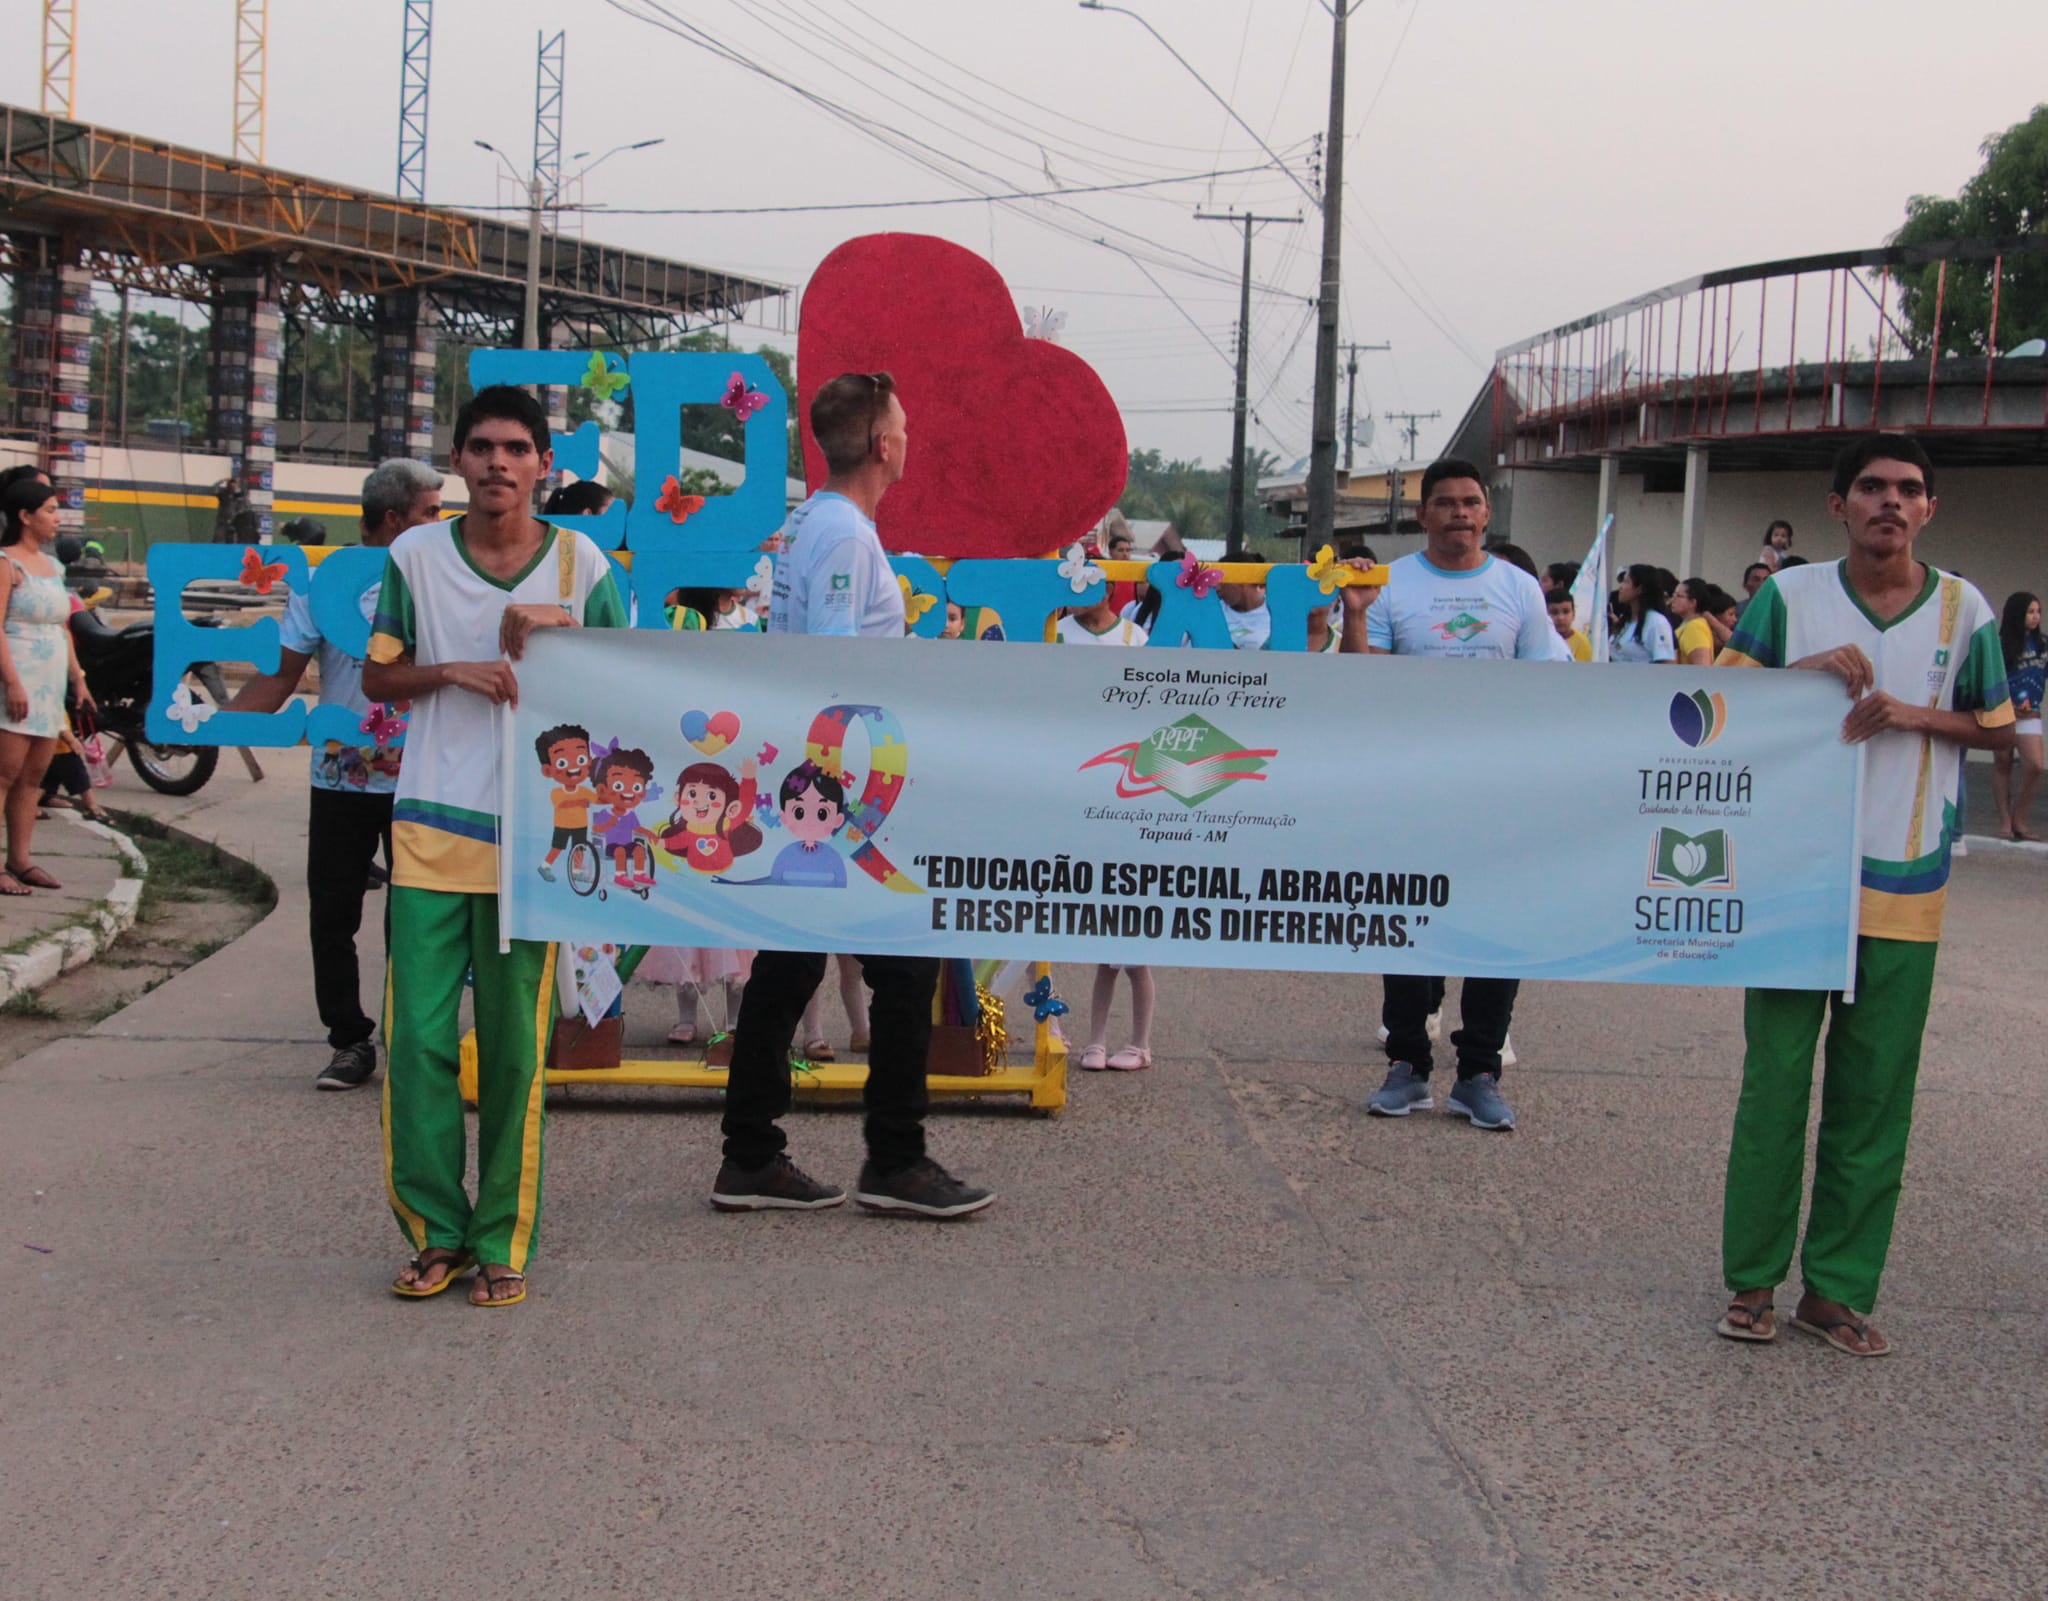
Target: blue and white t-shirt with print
x=833, y=576
x=1494, y=610
x=368, y=768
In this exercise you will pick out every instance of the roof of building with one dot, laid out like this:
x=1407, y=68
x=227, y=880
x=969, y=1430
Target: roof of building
x=146, y=213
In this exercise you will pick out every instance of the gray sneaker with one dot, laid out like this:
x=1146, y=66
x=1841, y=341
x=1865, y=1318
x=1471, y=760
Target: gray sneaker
x=1479, y=1099
x=1402, y=1093
x=350, y=1068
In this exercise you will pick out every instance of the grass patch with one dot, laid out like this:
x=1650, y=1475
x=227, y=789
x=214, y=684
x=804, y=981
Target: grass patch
x=183, y=869
x=27, y=1003
x=36, y=937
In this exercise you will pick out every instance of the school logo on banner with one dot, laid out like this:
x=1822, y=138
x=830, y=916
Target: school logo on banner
x=1698, y=718
x=1692, y=861
x=1192, y=760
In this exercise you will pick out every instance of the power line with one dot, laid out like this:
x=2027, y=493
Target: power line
x=871, y=205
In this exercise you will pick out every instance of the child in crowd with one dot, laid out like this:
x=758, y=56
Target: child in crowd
x=1100, y=625
x=1564, y=617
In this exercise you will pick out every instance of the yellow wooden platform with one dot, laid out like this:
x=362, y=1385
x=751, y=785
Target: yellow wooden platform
x=1044, y=1080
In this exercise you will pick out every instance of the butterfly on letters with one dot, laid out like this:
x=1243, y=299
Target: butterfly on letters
x=258, y=574
x=740, y=400
x=678, y=505
x=1194, y=576
x=600, y=380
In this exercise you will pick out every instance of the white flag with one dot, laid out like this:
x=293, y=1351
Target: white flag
x=1589, y=592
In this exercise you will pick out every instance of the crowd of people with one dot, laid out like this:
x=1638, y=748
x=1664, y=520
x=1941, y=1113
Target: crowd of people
x=458, y=599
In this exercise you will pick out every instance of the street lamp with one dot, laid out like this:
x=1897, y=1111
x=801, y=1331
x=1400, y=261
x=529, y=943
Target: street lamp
x=529, y=327
x=1322, y=469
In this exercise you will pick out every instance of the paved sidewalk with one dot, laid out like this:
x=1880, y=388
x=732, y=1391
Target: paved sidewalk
x=53, y=931
x=1224, y=1336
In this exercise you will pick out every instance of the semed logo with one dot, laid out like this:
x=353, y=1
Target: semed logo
x=1698, y=718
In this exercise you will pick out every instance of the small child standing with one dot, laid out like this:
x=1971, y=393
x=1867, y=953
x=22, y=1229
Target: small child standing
x=1100, y=625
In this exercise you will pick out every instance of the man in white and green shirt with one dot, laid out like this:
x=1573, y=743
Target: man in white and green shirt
x=458, y=601
x=1918, y=651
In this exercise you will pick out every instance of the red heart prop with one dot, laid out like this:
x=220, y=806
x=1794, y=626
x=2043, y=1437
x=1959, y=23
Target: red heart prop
x=1016, y=448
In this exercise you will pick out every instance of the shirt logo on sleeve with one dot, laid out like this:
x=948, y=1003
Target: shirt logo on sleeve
x=842, y=581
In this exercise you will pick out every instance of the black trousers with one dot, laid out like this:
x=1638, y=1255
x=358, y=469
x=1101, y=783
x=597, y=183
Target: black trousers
x=1486, y=1007
x=343, y=833
x=757, y=1090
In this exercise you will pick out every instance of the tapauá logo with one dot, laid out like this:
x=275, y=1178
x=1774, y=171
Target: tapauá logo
x=1698, y=718
x=1191, y=760
x=1692, y=861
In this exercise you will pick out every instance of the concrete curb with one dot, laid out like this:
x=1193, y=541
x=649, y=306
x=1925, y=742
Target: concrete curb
x=1992, y=845
x=106, y=920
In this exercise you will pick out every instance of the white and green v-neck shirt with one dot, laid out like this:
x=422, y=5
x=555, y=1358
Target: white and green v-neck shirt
x=439, y=606
x=1941, y=652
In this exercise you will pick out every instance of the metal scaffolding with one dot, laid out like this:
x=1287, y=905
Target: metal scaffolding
x=252, y=78
x=60, y=57
x=547, y=114
x=413, y=64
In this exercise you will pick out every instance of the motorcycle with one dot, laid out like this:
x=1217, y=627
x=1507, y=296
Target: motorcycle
x=120, y=668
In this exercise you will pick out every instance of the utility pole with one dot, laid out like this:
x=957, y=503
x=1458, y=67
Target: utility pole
x=1322, y=457
x=1351, y=398
x=1411, y=425
x=1244, y=329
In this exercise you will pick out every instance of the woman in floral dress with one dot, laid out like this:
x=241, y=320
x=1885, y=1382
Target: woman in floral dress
x=36, y=658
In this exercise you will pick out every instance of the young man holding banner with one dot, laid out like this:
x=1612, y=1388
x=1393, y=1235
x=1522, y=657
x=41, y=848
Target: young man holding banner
x=459, y=600
x=834, y=578
x=1453, y=599
x=1917, y=650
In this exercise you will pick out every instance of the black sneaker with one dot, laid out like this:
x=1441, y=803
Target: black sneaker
x=352, y=1068
x=923, y=1189
x=780, y=1186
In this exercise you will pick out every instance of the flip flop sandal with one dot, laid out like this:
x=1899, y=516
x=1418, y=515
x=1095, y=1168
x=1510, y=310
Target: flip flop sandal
x=1095, y=1058
x=10, y=885
x=458, y=1263
x=819, y=1051
x=34, y=877
x=1830, y=1330
x=1756, y=1331
x=491, y=1281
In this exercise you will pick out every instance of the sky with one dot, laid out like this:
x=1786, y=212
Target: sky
x=1508, y=166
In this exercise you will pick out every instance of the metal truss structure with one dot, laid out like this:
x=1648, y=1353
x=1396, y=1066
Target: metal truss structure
x=252, y=78
x=60, y=57
x=547, y=113
x=1771, y=364
x=160, y=217
x=413, y=72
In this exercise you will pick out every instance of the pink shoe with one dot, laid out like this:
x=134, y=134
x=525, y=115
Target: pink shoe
x=1131, y=1059
x=643, y=878
x=623, y=880
x=1095, y=1058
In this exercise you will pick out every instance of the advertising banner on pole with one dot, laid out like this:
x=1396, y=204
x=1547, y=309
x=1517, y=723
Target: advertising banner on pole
x=1362, y=814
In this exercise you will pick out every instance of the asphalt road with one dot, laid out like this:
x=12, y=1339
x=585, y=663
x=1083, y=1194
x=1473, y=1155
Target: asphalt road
x=1223, y=1336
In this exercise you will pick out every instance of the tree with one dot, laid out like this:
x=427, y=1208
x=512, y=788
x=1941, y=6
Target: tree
x=2007, y=199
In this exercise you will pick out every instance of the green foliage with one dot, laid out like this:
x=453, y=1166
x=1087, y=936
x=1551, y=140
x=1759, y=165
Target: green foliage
x=2008, y=198
x=1195, y=498
x=156, y=386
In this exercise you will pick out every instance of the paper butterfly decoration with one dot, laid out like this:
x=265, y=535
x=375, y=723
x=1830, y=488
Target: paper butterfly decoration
x=187, y=712
x=600, y=380
x=1078, y=570
x=1193, y=575
x=762, y=585
x=385, y=724
x=1324, y=570
x=678, y=505
x=741, y=401
x=1042, y=322
x=914, y=604
x=1044, y=1005
x=258, y=574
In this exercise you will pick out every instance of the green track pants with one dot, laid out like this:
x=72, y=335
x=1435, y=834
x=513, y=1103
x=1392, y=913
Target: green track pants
x=436, y=938
x=1872, y=1061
